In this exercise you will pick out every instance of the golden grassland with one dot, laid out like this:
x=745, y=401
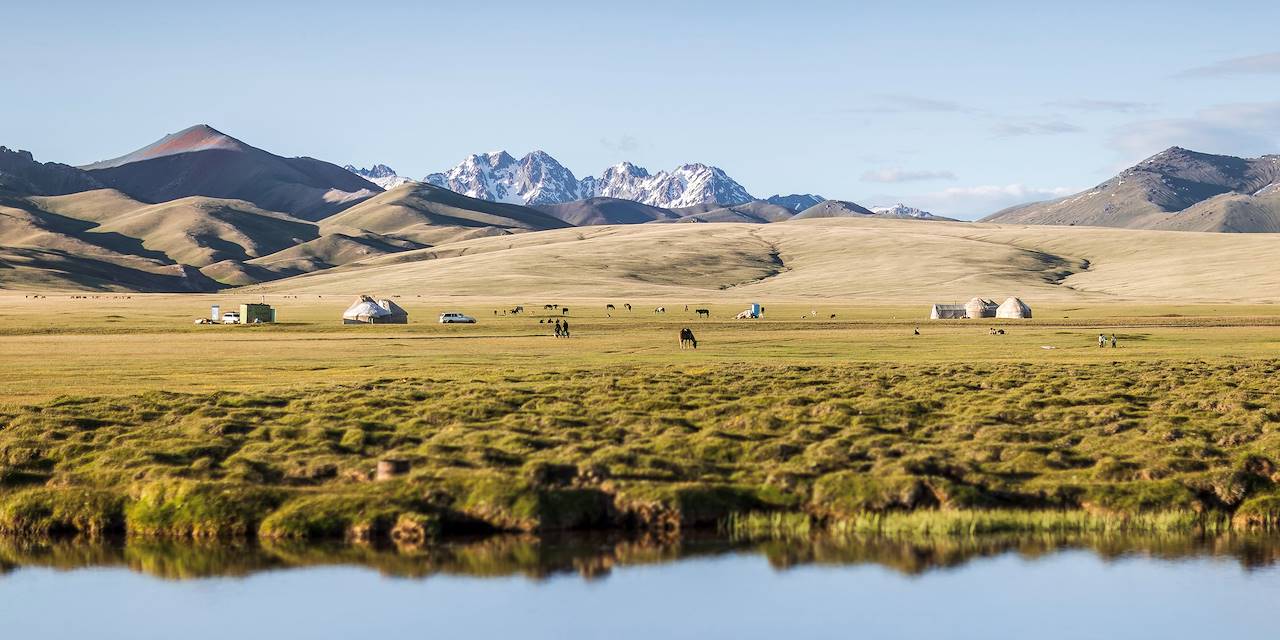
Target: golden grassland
x=119, y=414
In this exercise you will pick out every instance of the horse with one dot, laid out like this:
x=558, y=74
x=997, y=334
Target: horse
x=687, y=339
x=627, y=306
x=608, y=307
x=660, y=310
x=564, y=311
x=703, y=313
x=833, y=316
x=550, y=306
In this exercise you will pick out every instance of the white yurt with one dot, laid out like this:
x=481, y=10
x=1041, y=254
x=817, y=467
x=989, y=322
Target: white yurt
x=1013, y=308
x=980, y=308
x=366, y=310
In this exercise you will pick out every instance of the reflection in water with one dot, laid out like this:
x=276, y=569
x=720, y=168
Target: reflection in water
x=594, y=556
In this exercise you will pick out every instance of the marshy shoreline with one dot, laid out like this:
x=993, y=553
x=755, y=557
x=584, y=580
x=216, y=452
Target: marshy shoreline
x=989, y=447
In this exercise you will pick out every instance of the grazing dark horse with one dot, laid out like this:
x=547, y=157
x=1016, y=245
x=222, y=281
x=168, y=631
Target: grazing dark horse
x=687, y=339
x=833, y=316
x=660, y=310
x=703, y=313
x=608, y=307
x=627, y=306
x=550, y=306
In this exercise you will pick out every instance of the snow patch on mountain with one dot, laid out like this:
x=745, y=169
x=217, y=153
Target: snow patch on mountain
x=796, y=202
x=903, y=211
x=538, y=178
x=381, y=175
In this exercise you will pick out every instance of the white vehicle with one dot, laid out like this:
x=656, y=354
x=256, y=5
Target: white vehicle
x=231, y=317
x=456, y=318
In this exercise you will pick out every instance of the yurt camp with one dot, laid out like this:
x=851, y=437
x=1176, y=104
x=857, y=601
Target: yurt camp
x=366, y=310
x=1013, y=308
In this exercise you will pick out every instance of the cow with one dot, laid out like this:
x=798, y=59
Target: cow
x=703, y=313
x=660, y=310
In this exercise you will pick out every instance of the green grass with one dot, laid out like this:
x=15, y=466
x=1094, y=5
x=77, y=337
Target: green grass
x=1144, y=445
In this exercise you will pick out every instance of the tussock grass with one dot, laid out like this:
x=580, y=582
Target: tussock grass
x=1126, y=445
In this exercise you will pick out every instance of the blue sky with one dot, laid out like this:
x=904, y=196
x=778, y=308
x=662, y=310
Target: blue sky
x=959, y=109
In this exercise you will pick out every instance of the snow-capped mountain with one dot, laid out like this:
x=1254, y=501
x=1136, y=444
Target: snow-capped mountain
x=381, y=175
x=903, y=211
x=537, y=178
x=796, y=202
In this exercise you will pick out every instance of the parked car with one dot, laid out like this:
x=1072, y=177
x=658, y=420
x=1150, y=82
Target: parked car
x=456, y=318
x=231, y=317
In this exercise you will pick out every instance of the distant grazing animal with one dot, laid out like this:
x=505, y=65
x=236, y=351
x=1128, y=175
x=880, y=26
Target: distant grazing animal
x=550, y=306
x=687, y=339
x=660, y=310
x=917, y=330
x=833, y=316
x=628, y=306
x=564, y=311
x=608, y=307
x=703, y=313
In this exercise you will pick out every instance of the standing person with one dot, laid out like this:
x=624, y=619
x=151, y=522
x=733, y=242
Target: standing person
x=1113, y=341
x=558, y=332
x=565, y=328
x=1102, y=340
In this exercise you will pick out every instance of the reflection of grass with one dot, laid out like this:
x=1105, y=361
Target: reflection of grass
x=663, y=446
x=592, y=556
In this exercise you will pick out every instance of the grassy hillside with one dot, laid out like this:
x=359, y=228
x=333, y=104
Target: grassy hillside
x=419, y=212
x=857, y=259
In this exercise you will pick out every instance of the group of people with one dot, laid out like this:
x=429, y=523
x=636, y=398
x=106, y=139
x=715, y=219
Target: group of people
x=1102, y=341
x=562, y=328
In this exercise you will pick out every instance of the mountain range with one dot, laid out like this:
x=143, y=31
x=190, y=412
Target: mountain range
x=539, y=179
x=1176, y=189
x=199, y=210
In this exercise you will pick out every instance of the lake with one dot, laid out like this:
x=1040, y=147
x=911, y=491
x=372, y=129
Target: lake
x=694, y=587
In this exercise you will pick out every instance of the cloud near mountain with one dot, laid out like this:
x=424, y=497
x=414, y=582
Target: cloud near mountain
x=906, y=175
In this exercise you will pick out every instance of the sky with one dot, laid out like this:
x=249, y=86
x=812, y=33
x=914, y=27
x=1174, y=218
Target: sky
x=959, y=108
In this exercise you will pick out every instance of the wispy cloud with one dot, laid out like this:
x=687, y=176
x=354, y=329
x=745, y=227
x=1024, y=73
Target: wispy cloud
x=901, y=103
x=981, y=200
x=1033, y=128
x=1236, y=129
x=906, y=175
x=1112, y=106
x=1262, y=64
x=623, y=144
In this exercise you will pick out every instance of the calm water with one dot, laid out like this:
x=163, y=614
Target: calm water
x=524, y=588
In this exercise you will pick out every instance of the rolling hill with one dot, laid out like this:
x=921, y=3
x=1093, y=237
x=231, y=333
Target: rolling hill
x=1176, y=189
x=424, y=213
x=600, y=210
x=847, y=259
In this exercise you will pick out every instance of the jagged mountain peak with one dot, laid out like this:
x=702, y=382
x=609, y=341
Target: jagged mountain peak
x=379, y=174
x=539, y=179
x=796, y=202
